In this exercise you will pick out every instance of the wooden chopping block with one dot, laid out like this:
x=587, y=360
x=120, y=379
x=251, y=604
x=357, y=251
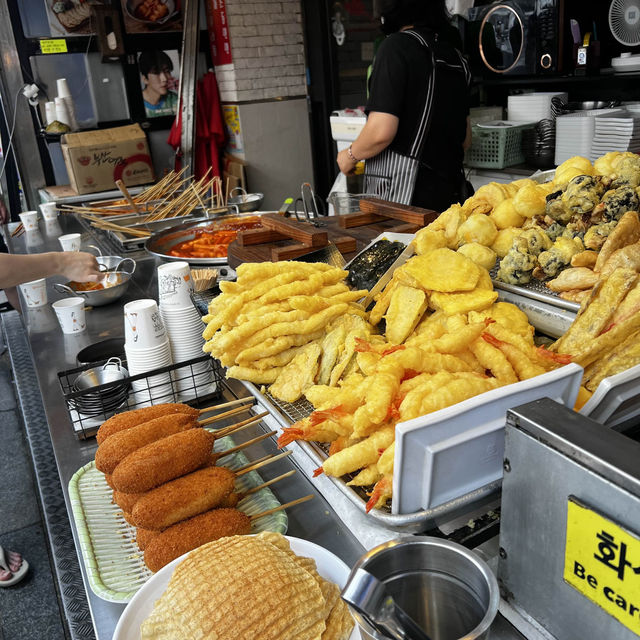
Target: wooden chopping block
x=345, y=244
x=304, y=232
x=406, y=213
x=349, y=220
x=250, y=237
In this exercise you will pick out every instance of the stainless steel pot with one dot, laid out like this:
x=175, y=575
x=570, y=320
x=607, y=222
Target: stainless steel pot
x=448, y=590
x=100, y=297
x=245, y=201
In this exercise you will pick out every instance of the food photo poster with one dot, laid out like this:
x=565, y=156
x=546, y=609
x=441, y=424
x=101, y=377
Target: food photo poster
x=150, y=16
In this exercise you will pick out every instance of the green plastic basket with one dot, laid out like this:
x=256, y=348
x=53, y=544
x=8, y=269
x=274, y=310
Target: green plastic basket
x=496, y=148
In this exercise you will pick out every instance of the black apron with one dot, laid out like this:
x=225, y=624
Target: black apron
x=391, y=175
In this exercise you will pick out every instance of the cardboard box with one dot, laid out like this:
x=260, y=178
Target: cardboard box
x=96, y=159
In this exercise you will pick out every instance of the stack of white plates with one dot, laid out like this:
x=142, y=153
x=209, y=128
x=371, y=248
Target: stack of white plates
x=184, y=328
x=532, y=106
x=575, y=131
x=616, y=132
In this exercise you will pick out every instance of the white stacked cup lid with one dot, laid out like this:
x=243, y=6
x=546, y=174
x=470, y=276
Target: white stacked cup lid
x=184, y=327
x=147, y=348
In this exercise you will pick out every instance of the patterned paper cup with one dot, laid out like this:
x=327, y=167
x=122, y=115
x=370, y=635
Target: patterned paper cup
x=70, y=241
x=35, y=292
x=71, y=315
x=143, y=326
x=29, y=220
x=175, y=285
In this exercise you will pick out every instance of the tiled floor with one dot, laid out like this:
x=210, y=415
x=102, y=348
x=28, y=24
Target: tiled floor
x=29, y=610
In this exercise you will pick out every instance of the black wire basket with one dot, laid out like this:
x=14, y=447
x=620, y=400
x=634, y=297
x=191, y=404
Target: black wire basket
x=186, y=382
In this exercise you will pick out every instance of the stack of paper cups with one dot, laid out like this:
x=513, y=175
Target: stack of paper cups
x=65, y=94
x=184, y=328
x=50, y=112
x=147, y=348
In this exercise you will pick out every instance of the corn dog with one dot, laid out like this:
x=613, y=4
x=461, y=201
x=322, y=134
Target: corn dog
x=111, y=452
x=144, y=536
x=133, y=418
x=126, y=501
x=109, y=481
x=183, y=498
x=163, y=460
x=192, y=533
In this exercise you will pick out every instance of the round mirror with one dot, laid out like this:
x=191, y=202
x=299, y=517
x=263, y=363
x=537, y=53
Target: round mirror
x=501, y=38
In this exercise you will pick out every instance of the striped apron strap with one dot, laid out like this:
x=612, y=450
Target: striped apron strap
x=391, y=175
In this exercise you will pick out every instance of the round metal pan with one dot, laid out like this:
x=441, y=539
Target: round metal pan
x=159, y=244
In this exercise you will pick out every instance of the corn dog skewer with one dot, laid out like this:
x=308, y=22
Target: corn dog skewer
x=225, y=405
x=222, y=416
x=189, y=534
x=293, y=503
x=225, y=431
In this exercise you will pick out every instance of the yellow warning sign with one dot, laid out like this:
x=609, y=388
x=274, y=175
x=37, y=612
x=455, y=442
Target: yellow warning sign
x=602, y=561
x=59, y=45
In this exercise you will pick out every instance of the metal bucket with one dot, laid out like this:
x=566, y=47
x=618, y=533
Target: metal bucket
x=448, y=590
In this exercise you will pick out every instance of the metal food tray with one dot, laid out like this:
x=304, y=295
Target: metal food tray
x=287, y=413
x=160, y=243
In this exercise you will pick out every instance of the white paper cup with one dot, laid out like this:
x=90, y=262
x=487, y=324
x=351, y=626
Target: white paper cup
x=34, y=292
x=29, y=220
x=71, y=241
x=70, y=313
x=49, y=210
x=62, y=112
x=50, y=112
x=143, y=326
x=175, y=285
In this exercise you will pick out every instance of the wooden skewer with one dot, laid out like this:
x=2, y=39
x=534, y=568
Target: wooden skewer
x=267, y=484
x=226, y=193
x=262, y=462
x=244, y=445
x=222, y=416
x=17, y=231
x=127, y=196
x=235, y=427
x=267, y=457
x=281, y=507
x=224, y=405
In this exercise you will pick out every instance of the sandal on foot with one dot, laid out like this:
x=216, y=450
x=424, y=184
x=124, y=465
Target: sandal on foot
x=16, y=576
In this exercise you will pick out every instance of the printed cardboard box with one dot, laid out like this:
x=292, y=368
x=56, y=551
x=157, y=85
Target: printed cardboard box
x=96, y=159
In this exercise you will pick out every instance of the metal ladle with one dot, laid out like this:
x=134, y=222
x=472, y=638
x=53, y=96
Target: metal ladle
x=369, y=597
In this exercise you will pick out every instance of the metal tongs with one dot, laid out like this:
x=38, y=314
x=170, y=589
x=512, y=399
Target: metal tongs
x=312, y=206
x=369, y=597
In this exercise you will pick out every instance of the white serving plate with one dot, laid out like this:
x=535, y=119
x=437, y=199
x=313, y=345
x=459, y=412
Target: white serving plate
x=454, y=451
x=329, y=567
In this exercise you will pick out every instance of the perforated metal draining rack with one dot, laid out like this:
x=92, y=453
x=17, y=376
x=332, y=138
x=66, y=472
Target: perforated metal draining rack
x=536, y=290
x=287, y=413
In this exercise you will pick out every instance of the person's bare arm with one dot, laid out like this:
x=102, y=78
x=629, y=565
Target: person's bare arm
x=16, y=269
x=467, y=138
x=376, y=135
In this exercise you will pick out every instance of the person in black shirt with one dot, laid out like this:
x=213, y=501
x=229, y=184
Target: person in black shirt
x=417, y=115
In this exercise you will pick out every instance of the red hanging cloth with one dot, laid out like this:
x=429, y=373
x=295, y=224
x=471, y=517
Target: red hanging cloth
x=209, y=134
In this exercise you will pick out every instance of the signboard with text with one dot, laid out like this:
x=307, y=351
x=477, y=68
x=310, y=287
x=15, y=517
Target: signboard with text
x=218, y=28
x=602, y=562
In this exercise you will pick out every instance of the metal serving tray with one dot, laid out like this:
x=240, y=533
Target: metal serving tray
x=161, y=242
x=288, y=413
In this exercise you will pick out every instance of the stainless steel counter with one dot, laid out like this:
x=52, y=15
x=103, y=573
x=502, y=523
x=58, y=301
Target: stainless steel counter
x=52, y=352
